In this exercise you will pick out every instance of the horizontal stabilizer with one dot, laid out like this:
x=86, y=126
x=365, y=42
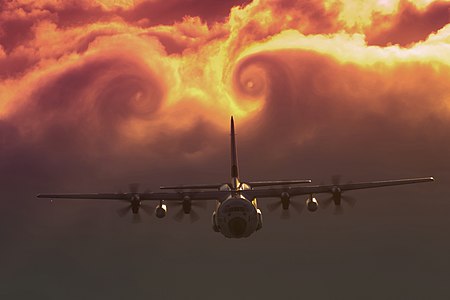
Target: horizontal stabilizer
x=277, y=182
x=191, y=187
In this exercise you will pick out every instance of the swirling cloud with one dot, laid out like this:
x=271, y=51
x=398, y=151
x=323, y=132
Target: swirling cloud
x=97, y=81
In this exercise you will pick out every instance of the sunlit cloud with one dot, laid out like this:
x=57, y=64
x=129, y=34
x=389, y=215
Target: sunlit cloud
x=110, y=76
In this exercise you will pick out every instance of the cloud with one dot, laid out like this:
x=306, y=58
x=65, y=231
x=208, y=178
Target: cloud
x=310, y=96
x=170, y=11
x=410, y=25
x=87, y=87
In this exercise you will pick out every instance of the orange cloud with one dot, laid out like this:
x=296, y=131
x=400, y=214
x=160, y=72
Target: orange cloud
x=157, y=79
x=410, y=25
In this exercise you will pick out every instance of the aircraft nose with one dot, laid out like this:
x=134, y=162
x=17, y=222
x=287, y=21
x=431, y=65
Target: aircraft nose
x=237, y=226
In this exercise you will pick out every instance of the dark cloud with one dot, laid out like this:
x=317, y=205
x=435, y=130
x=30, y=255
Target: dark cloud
x=409, y=26
x=80, y=114
x=15, y=65
x=171, y=11
x=17, y=21
x=171, y=44
x=347, y=113
x=15, y=32
x=73, y=13
x=120, y=88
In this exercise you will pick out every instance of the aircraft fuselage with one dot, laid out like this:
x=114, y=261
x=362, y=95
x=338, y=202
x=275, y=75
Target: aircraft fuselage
x=237, y=216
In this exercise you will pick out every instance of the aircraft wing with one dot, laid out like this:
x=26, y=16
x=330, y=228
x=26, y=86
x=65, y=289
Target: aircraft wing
x=166, y=196
x=249, y=194
x=317, y=189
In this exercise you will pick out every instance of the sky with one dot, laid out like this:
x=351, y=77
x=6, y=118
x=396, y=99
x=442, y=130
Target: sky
x=95, y=95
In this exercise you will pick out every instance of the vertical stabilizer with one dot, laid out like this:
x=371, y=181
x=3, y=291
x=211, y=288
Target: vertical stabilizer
x=234, y=163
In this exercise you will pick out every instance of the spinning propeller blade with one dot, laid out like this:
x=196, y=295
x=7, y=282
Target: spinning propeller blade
x=187, y=207
x=134, y=204
x=337, y=197
x=285, y=213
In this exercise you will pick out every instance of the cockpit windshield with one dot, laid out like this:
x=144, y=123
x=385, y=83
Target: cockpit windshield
x=236, y=209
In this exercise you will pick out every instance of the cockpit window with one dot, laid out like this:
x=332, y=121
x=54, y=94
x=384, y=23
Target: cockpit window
x=236, y=209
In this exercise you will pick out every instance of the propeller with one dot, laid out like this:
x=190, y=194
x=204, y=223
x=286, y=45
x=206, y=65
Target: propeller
x=134, y=204
x=336, y=197
x=285, y=203
x=187, y=208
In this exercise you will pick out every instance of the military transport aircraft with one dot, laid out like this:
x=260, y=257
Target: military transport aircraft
x=236, y=214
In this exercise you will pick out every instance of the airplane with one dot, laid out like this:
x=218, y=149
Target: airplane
x=236, y=214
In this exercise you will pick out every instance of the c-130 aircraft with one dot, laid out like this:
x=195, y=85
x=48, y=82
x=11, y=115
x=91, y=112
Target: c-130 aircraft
x=237, y=214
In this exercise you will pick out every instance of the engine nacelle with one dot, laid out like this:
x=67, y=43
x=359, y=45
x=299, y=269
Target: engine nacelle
x=161, y=211
x=312, y=204
x=337, y=195
x=135, y=207
x=285, y=200
x=187, y=204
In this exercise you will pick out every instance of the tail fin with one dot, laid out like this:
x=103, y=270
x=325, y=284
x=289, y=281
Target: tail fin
x=234, y=163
